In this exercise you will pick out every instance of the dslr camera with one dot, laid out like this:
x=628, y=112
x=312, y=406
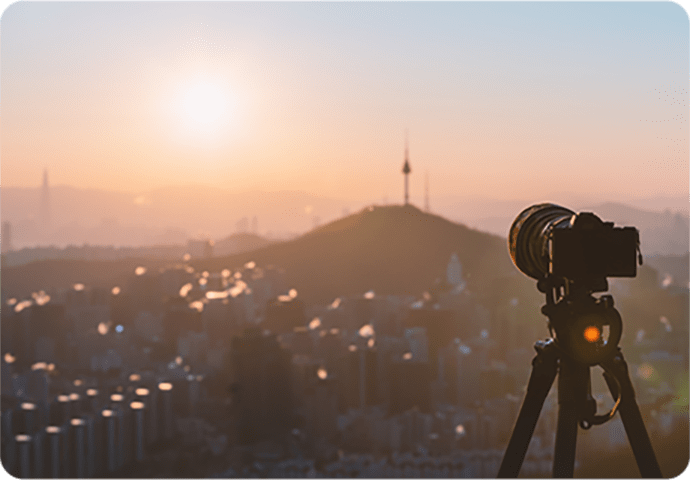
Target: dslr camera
x=548, y=239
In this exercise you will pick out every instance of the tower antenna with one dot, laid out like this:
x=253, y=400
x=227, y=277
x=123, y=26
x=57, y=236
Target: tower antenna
x=45, y=200
x=406, y=171
x=426, y=192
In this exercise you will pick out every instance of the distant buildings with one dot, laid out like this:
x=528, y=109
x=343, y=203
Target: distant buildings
x=114, y=382
x=200, y=248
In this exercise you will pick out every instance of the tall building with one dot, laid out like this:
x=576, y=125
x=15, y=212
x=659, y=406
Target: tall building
x=50, y=322
x=410, y=386
x=45, y=201
x=429, y=330
x=282, y=316
x=177, y=321
x=261, y=387
x=6, y=238
x=358, y=378
x=454, y=271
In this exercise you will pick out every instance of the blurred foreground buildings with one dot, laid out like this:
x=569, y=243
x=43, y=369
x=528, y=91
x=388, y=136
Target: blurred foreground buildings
x=182, y=373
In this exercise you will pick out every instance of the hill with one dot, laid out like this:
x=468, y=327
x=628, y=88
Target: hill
x=239, y=243
x=674, y=266
x=388, y=249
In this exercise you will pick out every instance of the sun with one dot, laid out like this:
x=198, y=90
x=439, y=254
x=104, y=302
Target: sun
x=202, y=111
x=205, y=106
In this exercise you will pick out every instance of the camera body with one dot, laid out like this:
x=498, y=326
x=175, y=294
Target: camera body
x=550, y=240
x=590, y=248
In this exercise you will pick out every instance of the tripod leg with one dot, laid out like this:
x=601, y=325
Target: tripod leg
x=631, y=417
x=544, y=369
x=573, y=383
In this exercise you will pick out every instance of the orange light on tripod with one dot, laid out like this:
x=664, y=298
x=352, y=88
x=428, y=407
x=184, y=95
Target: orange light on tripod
x=592, y=334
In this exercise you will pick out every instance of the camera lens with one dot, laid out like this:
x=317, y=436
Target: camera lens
x=529, y=236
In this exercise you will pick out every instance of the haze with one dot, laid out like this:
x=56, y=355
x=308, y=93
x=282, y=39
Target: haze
x=504, y=101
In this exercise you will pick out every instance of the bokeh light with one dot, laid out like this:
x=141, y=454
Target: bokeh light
x=592, y=334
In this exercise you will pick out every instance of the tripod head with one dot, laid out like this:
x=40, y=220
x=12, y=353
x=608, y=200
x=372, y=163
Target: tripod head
x=585, y=328
x=586, y=331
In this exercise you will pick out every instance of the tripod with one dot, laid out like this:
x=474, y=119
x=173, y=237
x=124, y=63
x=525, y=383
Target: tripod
x=575, y=404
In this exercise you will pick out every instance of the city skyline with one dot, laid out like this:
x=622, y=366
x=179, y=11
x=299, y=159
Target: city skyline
x=505, y=101
x=61, y=215
x=281, y=357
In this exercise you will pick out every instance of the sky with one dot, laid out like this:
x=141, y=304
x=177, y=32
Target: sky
x=500, y=100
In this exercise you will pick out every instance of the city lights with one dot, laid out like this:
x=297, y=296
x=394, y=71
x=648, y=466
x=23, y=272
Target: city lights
x=315, y=323
x=366, y=331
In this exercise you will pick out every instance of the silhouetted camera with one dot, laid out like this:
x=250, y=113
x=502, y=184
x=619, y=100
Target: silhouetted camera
x=549, y=239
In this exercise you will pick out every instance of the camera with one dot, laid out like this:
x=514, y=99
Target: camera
x=571, y=255
x=548, y=239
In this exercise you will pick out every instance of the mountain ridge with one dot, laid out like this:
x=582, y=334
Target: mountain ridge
x=387, y=249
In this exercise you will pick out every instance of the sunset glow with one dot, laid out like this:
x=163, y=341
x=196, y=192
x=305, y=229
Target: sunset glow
x=496, y=97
